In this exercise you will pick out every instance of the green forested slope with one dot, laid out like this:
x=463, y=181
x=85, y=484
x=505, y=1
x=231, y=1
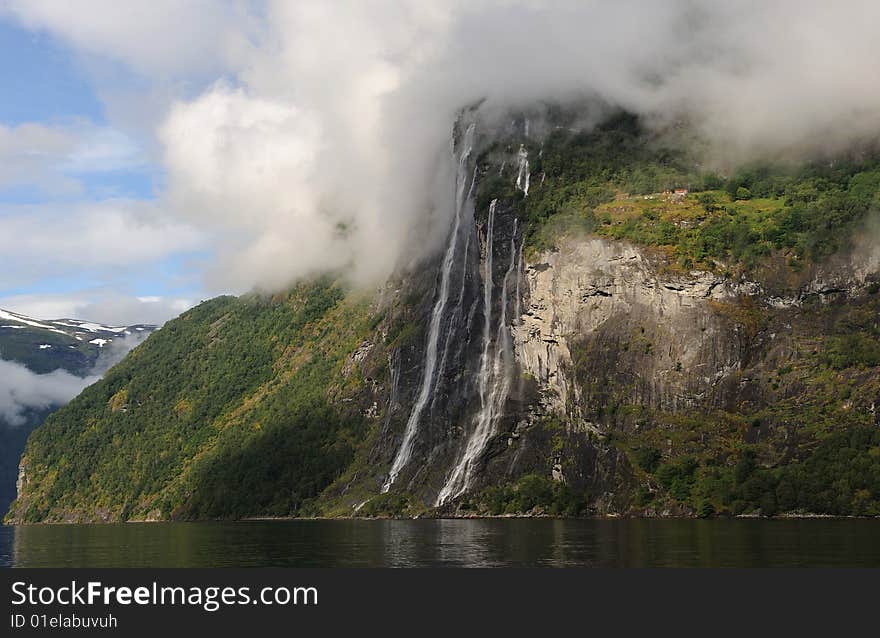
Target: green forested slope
x=611, y=181
x=223, y=412
x=30, y=348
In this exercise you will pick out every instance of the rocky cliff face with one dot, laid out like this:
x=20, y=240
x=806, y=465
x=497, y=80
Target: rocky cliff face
x=614, y=350
x=593, y=287
x=602, y=318
x=453, y=384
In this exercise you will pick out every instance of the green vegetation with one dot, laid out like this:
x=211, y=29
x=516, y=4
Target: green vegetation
x=25, y=345
x=840, y=477
x=678, y=476
x=648, y=459
x=533, y=494
x=612, y=180
x=388, y=505
x=225, y=412
x=851, y=333
x=853, y=349
x=798, y=394
x=13, y=439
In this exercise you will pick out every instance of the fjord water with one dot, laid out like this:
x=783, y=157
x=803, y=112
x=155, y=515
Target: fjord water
x=450, y=543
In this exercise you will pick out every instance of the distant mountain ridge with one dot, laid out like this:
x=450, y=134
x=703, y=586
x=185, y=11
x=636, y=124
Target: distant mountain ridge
x=71, y=344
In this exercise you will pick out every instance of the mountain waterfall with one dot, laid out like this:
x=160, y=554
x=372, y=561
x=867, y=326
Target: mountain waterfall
x=494, y=378
x=467, y=369
x=463, y=196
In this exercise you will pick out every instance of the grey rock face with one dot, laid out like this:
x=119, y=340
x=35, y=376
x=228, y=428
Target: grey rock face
x=593, y=285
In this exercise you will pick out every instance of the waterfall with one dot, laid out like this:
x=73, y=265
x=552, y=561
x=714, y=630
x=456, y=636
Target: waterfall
x=494, y=378
x=523, y=176
x=460, y=302
x=504, y=339
x=463, y=194
x=395, y=382
x=487, y=306
x=518, y=299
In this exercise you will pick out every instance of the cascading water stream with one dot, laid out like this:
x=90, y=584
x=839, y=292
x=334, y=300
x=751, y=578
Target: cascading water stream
x=518, y=298
x=523, y=176
x=494, y=379
x=460, y=302
x=487, y=305
x=463, y=194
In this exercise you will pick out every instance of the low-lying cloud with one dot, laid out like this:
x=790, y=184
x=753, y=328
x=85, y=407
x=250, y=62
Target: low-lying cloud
x=321, y=142
x=22, y=390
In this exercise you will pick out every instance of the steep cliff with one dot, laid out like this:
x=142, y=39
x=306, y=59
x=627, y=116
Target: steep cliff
x=586, y=341
x=637, y=364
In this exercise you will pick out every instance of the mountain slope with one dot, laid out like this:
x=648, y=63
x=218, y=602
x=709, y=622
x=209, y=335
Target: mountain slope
x=43, y=364
x=224, y=411
x=588, y=341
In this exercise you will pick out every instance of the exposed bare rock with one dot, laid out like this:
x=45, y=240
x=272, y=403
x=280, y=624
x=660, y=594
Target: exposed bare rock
x=592, y=285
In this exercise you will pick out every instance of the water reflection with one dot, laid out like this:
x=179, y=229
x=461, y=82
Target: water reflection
x=452, y=543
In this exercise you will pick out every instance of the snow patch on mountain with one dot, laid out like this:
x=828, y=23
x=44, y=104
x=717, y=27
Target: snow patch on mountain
x=74, y=328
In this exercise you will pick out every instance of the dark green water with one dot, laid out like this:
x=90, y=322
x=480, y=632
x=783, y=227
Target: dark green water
x=478, y=543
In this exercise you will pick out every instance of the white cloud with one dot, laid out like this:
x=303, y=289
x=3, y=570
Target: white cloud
x=54, y=158
x=345, y=107
x=30, y=155
x=22, y=390
x=122, y=310
x=334, y=115
x=102, y=149
x=106, y=238
x=228, y=157
x=154, y=37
